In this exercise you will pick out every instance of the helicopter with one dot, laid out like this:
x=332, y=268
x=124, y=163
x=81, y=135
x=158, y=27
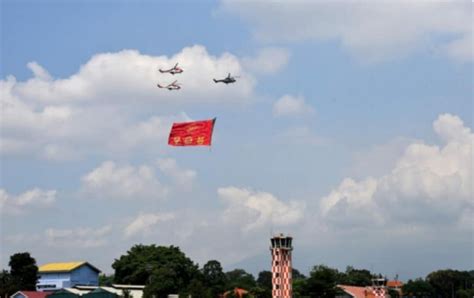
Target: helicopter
x=173, y=70
x=228, y=80
x=172, y=86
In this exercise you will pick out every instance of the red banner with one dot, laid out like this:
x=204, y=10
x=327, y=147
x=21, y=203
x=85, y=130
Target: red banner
x=196, y=133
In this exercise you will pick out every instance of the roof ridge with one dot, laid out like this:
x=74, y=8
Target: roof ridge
x=64, y=266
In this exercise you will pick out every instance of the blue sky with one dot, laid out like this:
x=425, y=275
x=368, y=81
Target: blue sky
x=348, y=128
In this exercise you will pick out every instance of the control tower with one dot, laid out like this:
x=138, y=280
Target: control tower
x=280, y=249
x=379, y=287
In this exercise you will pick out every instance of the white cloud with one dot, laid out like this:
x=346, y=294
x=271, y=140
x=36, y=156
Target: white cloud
x=59, y=152
x=65, y=243
x=144, y=223
x=22, y=121
x=267, y=61
x=257, y=209
x=428, y=183
x=372, y=31
x=460, y=49
x=39, y=72
x=184, y=178
x=450, y=128
x=27, y=201
x=52, y=131
x=301, y=135
x=351, y=203
x=100, y=109
x=131, y=76
x=124, y=182
x=379, y=159
x=151, y=133
x=77, y=237
x=289, y=105
x=354, y=193
x=59, y=132
x=113, y=181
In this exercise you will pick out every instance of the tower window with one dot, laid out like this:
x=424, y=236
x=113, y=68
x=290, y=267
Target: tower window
x=277, y=274
x=277, y=263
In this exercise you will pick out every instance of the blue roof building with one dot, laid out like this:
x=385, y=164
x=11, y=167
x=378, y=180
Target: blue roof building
x=55, y=276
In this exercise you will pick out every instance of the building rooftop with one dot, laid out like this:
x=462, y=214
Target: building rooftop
x=32, y=294
x=394, y=284
x=119, y=286
x=356, y=292
x=135, y=291
x=63, y=267
x=281, y=235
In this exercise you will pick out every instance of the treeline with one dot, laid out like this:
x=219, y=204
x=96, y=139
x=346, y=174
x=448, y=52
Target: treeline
x=23, y=275
x=167, y=270
x=442, y=283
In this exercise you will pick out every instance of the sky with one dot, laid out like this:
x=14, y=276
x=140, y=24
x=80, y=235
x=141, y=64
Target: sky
x=349, y=128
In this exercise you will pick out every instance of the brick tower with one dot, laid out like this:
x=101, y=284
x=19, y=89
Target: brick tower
x=281, y=266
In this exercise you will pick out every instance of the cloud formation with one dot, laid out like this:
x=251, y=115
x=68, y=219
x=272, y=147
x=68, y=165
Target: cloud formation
x=24, y=202
x=77, y=237
x=257, y=209
x=144, y=223
x=104, y=108
x=428, y=184
x=370, y=31
x=123, y=182
x=129, y=75
x=289, y=105
x=114, y=181
x=183, y=178
x=268, y=60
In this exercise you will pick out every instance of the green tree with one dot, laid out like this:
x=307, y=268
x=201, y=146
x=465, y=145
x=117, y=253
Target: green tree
x=264, y=282
x=448, y=282
x=465, y=293
x=214, y=277
x=418, y=288
x=322, y=282
x=23, y=271
x=239, y=278
x=106, y=280
x=299, y=287
x=163, y=281
x=393, y=294
x=356, y=277
x=197, y=288
x=7, y=286
x=142, y=263
x=299, y=283
x=258, y=292
x=295, y=274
